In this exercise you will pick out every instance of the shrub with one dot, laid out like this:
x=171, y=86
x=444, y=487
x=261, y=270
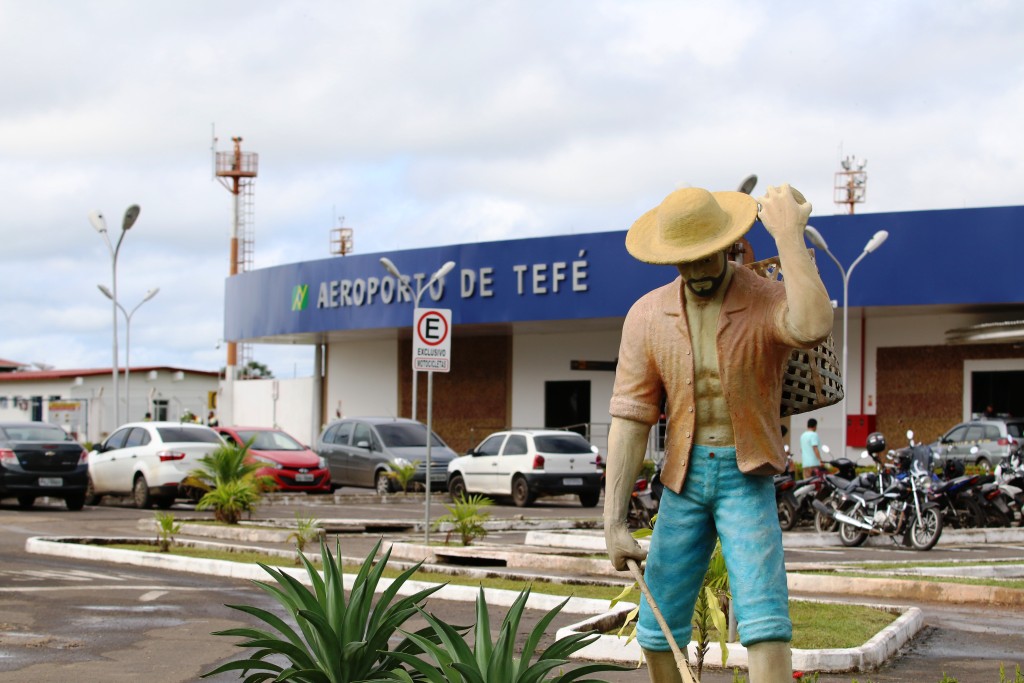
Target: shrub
x=230, y=482
x=403, y=473
x=167, y=528
x=465, y=518
x=323, y=638
x=455, y=661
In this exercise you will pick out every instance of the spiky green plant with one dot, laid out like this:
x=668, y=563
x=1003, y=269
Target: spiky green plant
x=229, y=479
x=306, y=529
x=166, y=530
x=327, y=639
x=465, y=518
x=403, y=474
x=455, y=661
x=230, y=499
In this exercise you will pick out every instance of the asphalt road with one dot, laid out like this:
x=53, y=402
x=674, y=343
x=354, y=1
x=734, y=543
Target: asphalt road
x=68, y=620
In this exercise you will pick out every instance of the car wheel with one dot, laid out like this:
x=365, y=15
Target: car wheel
x=984, y=465
x=588, y=499
x=457, y=488
x=75, y=501
x=140, y=493
x=26, y=501
x=521, y=495
x=383, y=483
x=91, y=497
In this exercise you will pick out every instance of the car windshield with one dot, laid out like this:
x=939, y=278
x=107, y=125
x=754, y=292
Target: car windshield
x=36, y=433
x=263, y=440
x=187, y=435
x=562, y=443
x=406, y=434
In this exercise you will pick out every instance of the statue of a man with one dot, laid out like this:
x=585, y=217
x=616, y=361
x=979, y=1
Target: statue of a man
x=713, y=344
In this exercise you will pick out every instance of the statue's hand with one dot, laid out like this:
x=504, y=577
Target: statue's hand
x=784, y=212
x=622, y=545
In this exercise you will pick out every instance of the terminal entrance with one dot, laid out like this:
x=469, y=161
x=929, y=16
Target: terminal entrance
x=567, y=405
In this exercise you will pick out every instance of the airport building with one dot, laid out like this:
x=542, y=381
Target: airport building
x=935, y=318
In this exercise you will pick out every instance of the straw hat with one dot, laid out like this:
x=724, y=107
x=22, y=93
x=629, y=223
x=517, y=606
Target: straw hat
x=689, y=224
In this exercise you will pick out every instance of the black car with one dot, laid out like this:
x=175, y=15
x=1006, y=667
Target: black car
x=40, y=459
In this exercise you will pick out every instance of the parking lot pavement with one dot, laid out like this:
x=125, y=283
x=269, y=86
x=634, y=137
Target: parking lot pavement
x=967, y=643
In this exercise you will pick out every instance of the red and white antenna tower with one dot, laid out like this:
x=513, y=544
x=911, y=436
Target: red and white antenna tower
x=236, y=170
x=851, y=184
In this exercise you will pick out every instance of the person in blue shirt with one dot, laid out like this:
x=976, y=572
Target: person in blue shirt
x=810, y=451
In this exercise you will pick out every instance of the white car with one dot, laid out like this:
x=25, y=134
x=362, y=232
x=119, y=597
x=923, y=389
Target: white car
x=148, y=460
x=527, y=463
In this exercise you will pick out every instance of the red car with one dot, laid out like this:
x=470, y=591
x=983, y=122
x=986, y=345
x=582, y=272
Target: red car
x=292, y=466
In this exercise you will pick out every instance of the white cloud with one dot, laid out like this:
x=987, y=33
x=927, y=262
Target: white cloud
x=447, y=122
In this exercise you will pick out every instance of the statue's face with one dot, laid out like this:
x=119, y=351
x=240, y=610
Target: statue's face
x=704, y=276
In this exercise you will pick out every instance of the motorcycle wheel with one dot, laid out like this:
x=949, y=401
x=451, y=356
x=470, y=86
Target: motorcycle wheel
x=925, y=531
x=994, y=517
x=967, y=514
x=787, y=514
x=824, y=524
x=638, y=517
x=851, y=536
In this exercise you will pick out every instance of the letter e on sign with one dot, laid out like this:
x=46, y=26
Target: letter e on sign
x=432, y=340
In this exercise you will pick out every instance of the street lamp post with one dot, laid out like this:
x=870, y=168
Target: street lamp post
x=127, y=343
x=99, y=223
x=818, y=241
x=417, y=295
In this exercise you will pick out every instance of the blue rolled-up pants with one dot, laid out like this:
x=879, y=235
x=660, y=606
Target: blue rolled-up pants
x=717, y=500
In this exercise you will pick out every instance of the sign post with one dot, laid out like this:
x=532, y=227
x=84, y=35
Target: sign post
x=431, y=352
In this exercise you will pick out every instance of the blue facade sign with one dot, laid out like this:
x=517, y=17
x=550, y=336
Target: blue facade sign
x=966, y=256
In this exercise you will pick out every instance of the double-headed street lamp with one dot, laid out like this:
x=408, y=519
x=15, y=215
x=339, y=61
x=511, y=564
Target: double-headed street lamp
x=128, y=343
x=98, y=222
x=818, y=241
x=417, y=295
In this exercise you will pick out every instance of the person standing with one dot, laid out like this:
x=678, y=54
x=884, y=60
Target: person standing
x=714, y=341
x=810, y=450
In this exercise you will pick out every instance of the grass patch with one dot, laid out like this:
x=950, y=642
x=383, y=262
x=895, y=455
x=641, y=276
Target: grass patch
x=826, y=625
x=967, y=581
x=815, y=625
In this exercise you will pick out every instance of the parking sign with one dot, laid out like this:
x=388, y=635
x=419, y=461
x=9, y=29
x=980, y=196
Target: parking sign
x=432, y=340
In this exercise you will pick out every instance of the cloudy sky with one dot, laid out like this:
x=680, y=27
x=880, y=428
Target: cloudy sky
x=434, y=122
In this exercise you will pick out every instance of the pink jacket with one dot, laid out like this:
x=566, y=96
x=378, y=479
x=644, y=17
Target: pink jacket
x=656, y=360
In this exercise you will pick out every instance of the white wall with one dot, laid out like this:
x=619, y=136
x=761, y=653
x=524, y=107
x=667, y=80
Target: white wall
x=363, y=378
x=292, y=408
x=540, y=358
x=190, y=392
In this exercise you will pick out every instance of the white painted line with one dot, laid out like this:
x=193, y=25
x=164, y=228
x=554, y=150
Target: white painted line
x=151, y=596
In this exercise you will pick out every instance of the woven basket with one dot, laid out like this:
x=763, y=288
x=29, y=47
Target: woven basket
x=811, y=379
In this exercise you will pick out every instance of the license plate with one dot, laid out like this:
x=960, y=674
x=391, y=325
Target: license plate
x=304, y=477
x=51, y=481
x=572, y=481
x=439, y=477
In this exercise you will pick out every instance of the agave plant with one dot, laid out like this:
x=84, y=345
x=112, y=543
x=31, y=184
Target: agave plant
x=455, y=661
x=329, y=640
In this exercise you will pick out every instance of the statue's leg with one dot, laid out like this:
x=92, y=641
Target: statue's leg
x=662, y=667
x=681, y=546
x=770, y=661
x=748, y=525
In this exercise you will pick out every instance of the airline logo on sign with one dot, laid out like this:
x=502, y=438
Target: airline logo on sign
x=432, y=340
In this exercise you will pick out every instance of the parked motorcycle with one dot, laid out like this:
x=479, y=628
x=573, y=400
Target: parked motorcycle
x=1009, y=474
x=900, y=510
x=642, y=504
